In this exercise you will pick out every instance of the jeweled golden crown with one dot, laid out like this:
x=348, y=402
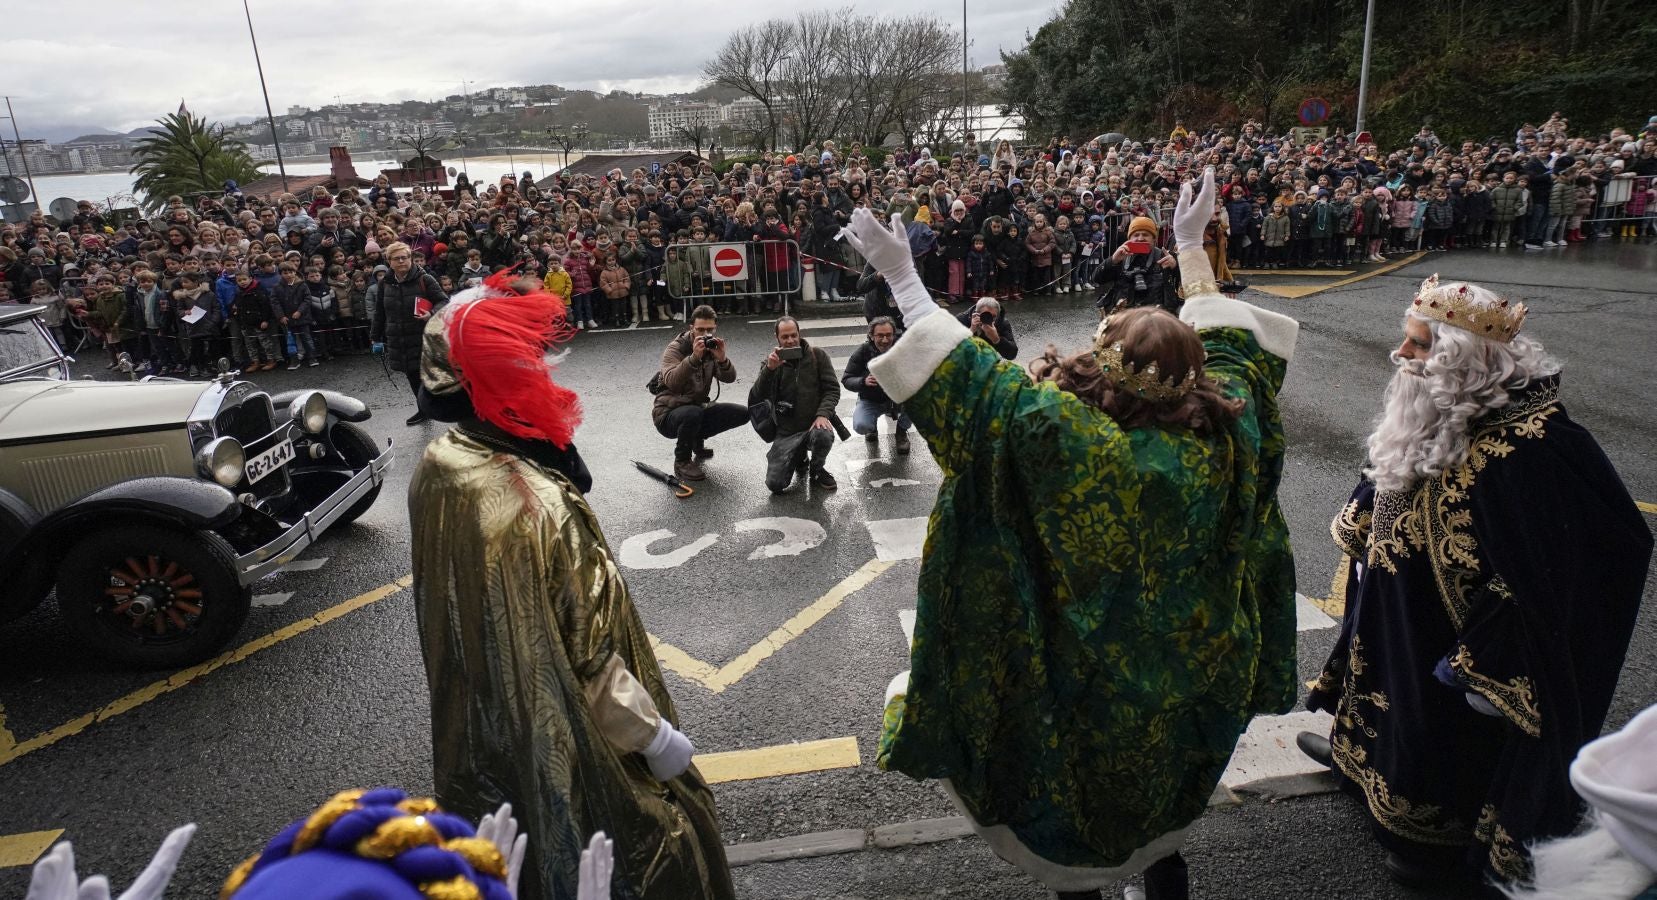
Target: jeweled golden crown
x=1454, y=305
x=1146, y=383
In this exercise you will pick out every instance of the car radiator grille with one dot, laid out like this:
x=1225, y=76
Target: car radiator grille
x=249, y=421
x=60, y=479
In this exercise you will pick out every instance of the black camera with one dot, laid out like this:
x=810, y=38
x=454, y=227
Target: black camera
x=709, y=342
x=1139, y=284
x=986, y=318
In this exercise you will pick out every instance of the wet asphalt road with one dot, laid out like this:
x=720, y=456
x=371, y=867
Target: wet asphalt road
x=247, y=748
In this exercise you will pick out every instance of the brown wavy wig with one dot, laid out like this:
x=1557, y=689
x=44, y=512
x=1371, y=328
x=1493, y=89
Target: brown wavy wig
x=1147, y=334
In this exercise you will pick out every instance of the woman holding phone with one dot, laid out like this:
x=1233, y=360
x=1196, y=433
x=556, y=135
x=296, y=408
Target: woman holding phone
x=1139, y=273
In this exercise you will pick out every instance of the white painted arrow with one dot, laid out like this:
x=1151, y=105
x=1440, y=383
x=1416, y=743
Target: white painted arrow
x=798, y=535
x=636, y=553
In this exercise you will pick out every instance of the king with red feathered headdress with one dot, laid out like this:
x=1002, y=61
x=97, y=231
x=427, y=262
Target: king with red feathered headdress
x=545, y=693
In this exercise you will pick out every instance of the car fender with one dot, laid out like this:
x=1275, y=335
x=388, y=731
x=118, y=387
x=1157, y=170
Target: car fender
x=188, y=503
x=25, y=577
x=340, y=406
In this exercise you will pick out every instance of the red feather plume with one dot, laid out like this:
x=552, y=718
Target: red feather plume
x=498, y=347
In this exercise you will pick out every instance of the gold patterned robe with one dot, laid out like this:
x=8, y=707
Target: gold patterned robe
x=543, y=684
x=1513, y=578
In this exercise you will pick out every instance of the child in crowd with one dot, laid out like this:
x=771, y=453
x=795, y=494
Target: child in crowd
x=557, y=280
x=255, y=347
x=56, y=309
x=581, y=286
x=324, y=311
x=473, y=271
x=1012, y=262
x=160, y=331
x=1274, y=233
x=980, y=269
x=1064, y=252
x=291, y=305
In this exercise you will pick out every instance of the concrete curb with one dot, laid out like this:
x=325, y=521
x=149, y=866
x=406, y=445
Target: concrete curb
x=899, y=835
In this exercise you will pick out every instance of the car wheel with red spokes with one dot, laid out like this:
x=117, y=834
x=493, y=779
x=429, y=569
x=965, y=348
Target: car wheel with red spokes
x=149, y=595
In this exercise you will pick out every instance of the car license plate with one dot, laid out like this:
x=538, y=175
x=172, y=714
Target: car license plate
x=268, y=461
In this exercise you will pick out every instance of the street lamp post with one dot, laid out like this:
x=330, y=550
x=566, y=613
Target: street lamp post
x=1363, y=70
x=269, y=116
x=22, y=152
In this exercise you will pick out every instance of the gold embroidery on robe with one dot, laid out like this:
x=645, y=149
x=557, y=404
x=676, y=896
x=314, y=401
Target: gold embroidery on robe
x=1433, y=517
x=1516, y=698
x=1351, y=530
x=1507, y=858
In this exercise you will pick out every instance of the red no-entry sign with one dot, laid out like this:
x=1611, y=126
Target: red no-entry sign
x=730, y=262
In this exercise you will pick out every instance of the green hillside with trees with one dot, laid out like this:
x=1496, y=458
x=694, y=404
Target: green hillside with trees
x=1471, y=69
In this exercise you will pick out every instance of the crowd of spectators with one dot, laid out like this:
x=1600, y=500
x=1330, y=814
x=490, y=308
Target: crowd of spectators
x=298, y=279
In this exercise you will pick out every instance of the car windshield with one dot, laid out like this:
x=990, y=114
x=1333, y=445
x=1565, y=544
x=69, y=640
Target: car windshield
x=27, y=352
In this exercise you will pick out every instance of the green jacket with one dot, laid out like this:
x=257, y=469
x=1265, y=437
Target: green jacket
x=1507, y=201
x=808, y=383
x=678, y=278
x=1274, y=232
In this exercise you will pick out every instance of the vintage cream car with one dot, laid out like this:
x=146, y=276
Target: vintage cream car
x=152, y=505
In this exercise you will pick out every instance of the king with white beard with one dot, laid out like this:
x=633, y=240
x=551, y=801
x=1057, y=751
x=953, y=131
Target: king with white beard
x=1496, y=568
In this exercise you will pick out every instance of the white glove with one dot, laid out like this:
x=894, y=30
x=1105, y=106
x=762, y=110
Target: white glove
x=669, y=752
x=54, y=875
x=887, y=249
x=1190, y=218
x=597, y=862
x=500, y=829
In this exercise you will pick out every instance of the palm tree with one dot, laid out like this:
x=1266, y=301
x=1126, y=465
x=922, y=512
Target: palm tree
x=184, y=156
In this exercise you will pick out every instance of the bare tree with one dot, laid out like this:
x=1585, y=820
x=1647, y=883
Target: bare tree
x=749, y=61
x=695, y=135
x=814, y=101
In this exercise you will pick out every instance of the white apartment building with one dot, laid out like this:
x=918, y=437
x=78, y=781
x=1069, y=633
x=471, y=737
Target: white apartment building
x=665, y=119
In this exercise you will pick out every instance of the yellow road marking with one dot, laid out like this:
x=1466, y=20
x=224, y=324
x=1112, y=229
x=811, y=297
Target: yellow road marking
x=1644, y=507
x=722, y=677
x=1273, y=273
x=24, y=849
x=783, y=759
x=7, y=740
x=1334, y=605
x=1297, y=292
x=1292, y=292
x=185, y=677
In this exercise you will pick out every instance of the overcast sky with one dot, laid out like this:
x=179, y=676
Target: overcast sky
x=119, y=64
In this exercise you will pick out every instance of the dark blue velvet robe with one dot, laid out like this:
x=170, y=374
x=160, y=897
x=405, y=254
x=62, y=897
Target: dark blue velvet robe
x=1516, y=576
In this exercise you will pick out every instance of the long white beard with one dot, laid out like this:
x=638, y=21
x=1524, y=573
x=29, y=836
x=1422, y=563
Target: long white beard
x=1408, y=431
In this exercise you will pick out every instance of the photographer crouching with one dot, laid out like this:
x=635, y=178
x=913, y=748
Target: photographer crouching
x=684, y=410
x=986, y=321
x=797, y=381
x=1139, y=273
x=872, y=402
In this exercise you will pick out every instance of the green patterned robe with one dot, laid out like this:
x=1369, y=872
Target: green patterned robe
x=1100, y=611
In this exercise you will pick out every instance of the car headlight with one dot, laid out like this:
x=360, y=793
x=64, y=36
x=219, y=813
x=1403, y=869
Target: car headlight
x=310, y=411
x=222, y=460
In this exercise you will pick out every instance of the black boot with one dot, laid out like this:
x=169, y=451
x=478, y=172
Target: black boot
x=1168, y=879
x=1316, y=746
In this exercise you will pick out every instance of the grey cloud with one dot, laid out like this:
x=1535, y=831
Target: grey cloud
x=120, y=64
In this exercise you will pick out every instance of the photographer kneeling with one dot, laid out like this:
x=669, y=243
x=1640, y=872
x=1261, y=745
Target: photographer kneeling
x=986, y=320
x=798, y=381
x=1139, y=273
x=691, y=364
x=872, y=402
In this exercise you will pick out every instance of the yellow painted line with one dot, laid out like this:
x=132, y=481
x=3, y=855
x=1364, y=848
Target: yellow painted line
x=1291, y=292
x=718, y=679
x=7, y=740
x=1298, y=292
x=1644, y=507
x=185, y=677
x=24, y=849
x=1273, y=273
x=1334, y=605
x=783, y=759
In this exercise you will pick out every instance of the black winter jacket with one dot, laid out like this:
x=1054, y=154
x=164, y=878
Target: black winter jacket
x=856, y=377
x=394, y=323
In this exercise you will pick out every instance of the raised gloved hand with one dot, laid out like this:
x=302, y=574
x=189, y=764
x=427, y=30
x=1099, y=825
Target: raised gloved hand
x=669, y=752
x=55, y=878
x=500, y=829
x=598, y=861
x=887, y=249
x=1191, y=217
